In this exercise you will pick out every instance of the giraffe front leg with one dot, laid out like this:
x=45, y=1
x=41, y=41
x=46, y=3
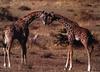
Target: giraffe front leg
x=23, y=54
x=70, y=66
x=4, y=49
x=67, y=60
x=25, y=57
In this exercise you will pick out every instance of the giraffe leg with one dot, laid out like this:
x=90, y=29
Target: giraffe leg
x=70, y=54
x=8, y=52
x=8, y=56
x=4, y=49
x=92, y=49
x=70, y=39
x=23, y=53
x=88, y=59
x=24, y=46
x=22, y=60
x=67, y=60
x=88, y=54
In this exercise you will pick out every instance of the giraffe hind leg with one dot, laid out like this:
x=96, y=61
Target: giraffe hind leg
x=84, y=42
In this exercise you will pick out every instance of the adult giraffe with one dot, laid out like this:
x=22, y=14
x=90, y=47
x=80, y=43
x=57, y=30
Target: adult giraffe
x=73, y=32
x=19, y=30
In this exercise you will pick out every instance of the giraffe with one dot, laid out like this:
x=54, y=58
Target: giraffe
x=19, y=30
x=73, y=32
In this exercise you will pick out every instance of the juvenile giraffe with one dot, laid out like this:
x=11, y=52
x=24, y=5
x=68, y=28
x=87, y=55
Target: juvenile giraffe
x=73, y=32
x=20, y=31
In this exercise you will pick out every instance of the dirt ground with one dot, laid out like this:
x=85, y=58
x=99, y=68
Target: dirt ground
x=44, y=55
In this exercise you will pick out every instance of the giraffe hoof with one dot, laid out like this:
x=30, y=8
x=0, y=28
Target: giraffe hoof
x=88, y=70
x=4, y=65
x=9, y=65
x=69, y=68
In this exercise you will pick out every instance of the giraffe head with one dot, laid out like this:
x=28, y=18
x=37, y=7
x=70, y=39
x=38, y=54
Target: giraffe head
x=47, y=18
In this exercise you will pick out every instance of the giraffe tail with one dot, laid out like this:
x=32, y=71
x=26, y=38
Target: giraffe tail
x=92, y=39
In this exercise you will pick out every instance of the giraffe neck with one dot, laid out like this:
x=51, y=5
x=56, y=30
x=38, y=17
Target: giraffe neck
x=59, y=18
x=64, y=20
x=26, y=20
